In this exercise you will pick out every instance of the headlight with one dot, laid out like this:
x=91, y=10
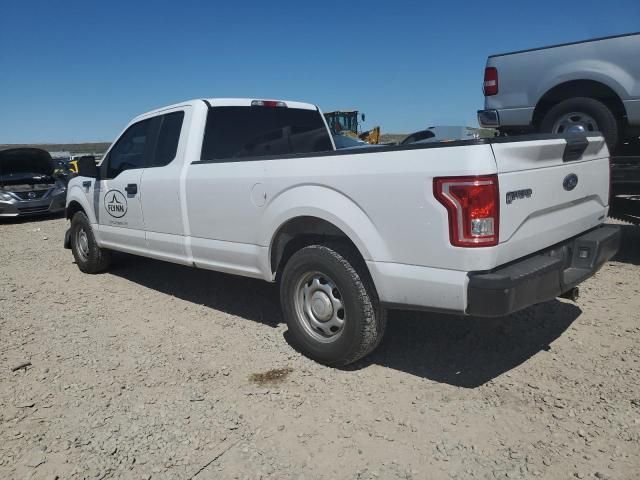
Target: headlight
x=60, y=188
x=5, y=197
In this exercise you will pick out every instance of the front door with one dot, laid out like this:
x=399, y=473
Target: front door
x=121, y=223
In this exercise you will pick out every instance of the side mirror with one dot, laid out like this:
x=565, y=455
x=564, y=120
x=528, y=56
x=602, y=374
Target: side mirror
x=362, y=117
x=87, y=167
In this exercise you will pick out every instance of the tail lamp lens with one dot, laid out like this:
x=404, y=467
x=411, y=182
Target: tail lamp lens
x=473, y=207
x=490, y=81
x=268, y=103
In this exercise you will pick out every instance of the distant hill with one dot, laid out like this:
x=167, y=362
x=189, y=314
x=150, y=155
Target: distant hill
x=101, y=147
x=398, y=137
x=392, y=137
x=73, y=148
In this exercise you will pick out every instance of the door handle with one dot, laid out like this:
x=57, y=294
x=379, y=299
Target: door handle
x=131, y=189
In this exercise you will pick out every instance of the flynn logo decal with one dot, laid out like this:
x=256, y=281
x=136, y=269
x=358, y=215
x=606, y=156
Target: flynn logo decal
x=570, y=182
x=518, y=195
x=115, y=203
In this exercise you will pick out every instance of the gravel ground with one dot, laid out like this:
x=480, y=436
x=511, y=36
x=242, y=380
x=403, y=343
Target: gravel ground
x=159, y=371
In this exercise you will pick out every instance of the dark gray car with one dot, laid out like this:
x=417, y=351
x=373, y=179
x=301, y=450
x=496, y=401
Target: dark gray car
x=442, y=133
x=28, y=185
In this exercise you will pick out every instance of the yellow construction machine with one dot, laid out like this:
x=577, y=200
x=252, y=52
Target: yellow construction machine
x=345, y=122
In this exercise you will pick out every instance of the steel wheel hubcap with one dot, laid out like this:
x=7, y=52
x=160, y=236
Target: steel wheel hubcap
x=575, y=122
x=319, y=307
x=82, y=241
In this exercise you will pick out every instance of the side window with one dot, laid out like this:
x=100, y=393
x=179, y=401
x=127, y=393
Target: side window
x=242, y=132
x=168, y=138
x=424, y=135
x=129, y=151
x=418, y=136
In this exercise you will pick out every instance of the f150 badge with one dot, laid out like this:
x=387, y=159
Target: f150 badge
x=518, y=195
x=115, y=203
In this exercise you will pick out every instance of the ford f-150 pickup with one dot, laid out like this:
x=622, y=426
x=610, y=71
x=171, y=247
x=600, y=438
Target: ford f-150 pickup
x=481, y=227
x=589, y=86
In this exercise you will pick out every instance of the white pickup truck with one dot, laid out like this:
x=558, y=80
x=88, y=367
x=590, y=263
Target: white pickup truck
x=481, y=227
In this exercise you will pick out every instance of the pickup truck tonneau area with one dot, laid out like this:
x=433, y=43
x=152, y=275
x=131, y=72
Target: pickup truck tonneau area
x=256, y=188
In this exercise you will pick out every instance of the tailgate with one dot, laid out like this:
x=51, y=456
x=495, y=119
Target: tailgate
x=551, y=189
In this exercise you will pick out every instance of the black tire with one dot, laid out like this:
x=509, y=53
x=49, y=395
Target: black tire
x=94, y=259
x=598, y=111
x=364, y=319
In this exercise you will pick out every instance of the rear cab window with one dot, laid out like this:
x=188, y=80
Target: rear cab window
x=234, y=133
x=168, y=138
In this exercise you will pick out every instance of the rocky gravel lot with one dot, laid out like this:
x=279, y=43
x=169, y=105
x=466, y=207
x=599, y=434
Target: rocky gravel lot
x=159, y=371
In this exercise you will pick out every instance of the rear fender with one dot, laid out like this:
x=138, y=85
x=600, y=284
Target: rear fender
x=329, y=205
x=616, y=78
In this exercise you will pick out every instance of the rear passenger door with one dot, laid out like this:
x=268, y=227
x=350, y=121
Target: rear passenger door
x=228, y=188
x=120, y=219
x=160, y=187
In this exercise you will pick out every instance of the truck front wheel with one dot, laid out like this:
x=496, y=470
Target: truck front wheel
x=330, y=305
x=89, y=257
x=582, y=115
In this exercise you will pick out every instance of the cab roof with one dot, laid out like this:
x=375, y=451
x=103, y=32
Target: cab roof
x=228, y=102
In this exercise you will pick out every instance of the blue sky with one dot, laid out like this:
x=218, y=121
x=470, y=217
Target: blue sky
x=75, y=71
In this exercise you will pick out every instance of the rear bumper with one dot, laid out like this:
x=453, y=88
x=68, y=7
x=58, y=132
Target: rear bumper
x=505, y=117
x=633, y=111
x=543, y=276
x=489, y=118
x=625, y=175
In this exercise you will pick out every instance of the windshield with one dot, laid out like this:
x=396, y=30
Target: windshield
x=344, y=141
x=341, y=122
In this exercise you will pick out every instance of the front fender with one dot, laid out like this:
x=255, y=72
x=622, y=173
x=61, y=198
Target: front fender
x=76, y=193
x=329, y=205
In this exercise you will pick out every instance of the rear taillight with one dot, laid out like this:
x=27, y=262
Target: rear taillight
x=473, y=205
x=490, y=86
x=267, y=103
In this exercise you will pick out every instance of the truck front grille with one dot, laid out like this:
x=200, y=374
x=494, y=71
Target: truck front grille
x=31, y=194
x=33, y=209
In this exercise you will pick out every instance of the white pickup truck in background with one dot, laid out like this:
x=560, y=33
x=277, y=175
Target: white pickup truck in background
x=481, y=227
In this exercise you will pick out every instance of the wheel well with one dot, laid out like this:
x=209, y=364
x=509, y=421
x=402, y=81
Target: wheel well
x=72, y=208
x=299, y=232
x=578, y=88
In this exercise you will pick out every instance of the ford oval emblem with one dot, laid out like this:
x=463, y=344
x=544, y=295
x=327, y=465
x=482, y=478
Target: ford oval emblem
x=570, y=182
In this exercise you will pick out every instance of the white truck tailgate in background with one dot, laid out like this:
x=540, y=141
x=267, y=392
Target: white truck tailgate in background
x=551, y=213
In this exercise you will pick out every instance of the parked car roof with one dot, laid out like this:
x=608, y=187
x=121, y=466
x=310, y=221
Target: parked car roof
x=441, y=133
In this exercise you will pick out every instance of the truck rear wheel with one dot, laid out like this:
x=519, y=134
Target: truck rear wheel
x=89, y=257
x=330, y=305
x=582, y=115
